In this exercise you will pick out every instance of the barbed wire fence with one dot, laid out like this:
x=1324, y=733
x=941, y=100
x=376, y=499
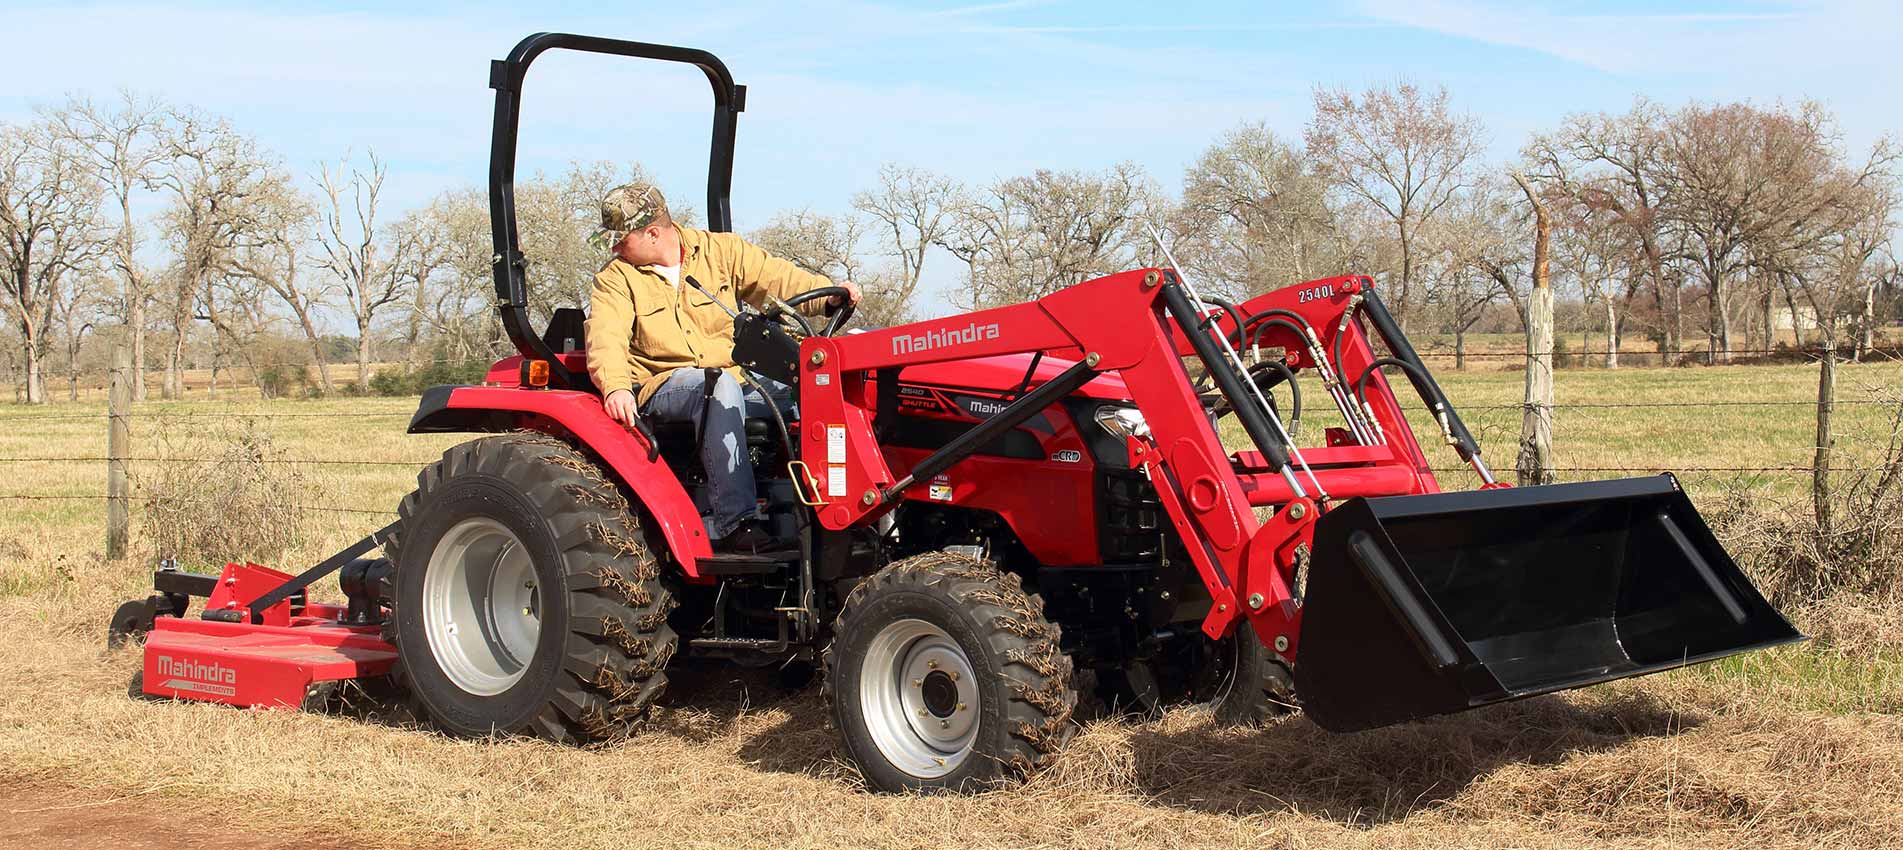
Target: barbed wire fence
x=120, y=414
x=420, y=462
x=94, y=385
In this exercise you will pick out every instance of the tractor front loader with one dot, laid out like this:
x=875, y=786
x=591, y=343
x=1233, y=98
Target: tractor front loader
x=989, y=506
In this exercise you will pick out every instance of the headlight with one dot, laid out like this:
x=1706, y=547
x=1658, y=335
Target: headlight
x=1122, y=421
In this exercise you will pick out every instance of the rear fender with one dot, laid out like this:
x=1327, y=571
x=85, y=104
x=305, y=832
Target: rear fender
x=452, y=409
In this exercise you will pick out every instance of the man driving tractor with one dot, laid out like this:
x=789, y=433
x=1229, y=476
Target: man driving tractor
x=661, y=321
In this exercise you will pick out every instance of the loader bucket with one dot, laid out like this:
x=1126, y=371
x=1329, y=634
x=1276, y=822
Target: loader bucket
x=1425, y=605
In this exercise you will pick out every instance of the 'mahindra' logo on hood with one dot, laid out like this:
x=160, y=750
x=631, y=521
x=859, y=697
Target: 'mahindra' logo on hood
x=928, y=340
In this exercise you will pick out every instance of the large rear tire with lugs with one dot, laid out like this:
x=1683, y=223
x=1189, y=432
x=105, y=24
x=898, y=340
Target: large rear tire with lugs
x=525, y=598
x=944, y=674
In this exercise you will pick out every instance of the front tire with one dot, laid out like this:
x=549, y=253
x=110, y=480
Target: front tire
x=526, y=600
x=1237, y=679
x=944, y=674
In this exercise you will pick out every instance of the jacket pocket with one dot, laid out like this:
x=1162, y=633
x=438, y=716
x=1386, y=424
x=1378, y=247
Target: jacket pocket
x=652, y=326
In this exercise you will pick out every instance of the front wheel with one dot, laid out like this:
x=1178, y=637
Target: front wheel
x=944, y=674
x=1237, y=679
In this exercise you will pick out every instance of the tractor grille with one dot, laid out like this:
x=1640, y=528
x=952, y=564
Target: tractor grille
x=1130, y=518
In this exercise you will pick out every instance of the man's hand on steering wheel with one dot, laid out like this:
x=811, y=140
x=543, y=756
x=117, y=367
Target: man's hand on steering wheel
x=852, y=291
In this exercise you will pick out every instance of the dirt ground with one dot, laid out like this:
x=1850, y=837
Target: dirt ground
x=47, y=817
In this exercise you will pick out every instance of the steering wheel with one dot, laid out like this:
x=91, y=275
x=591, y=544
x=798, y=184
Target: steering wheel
x=839, y=316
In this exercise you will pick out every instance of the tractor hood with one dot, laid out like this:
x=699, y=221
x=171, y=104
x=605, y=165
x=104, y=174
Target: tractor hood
x=1005, y=373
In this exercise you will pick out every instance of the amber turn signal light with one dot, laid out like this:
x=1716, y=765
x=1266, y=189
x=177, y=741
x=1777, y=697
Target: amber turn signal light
x=535, y=373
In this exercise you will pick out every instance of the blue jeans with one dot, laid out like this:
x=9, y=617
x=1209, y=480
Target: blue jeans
x=731, y=494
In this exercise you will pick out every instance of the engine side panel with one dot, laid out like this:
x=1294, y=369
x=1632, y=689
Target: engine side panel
x=1040, y=478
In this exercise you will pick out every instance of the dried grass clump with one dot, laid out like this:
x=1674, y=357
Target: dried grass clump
x=1857, y=625
x=228, y=494
x=1758, y=774
x=1800, y=554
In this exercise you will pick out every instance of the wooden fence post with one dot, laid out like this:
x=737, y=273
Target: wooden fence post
x=118, y=445
x=1820, y=458
x=1535, y=461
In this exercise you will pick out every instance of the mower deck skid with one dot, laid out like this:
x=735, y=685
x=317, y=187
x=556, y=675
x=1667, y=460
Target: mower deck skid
x=258, y=665
x=257, y=641
x=1431, y=604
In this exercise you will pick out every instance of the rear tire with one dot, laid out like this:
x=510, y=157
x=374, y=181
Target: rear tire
x=525, y=598
x=944, y=674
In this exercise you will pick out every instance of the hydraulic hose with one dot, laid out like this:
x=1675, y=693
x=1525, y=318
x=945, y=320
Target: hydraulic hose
x=1288, y=376
x=1228, y=306
x=1254, y=337
x=1361, y=394
x=1330, y=373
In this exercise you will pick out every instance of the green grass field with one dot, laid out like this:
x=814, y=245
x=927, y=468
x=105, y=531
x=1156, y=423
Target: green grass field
x=1797, y=747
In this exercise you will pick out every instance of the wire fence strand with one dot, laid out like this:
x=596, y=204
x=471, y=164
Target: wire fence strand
x=147, y=500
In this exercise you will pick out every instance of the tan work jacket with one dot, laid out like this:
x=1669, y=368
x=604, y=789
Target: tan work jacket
x=642, y=327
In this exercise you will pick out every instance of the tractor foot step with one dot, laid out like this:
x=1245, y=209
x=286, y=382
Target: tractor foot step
x=722, y=564
x=737, y=645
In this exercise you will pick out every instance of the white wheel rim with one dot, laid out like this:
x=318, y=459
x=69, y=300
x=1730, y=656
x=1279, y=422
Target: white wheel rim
x=919, y=697
x=481, y=608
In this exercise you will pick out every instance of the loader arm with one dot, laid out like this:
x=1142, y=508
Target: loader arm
x=1133, y=324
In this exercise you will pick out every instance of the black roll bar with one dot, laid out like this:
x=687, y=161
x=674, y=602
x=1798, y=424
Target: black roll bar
x=505, y=76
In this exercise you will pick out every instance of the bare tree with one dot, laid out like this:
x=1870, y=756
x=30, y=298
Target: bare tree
x=124, y=139
x=355, y=249
x=1594, y=247
x=914, y=208
x=1255, y=215
x=273, y=257
x=1749, y=184
x=49, y=203
x=1888, y=272
x=555, y=217
x=1400, y=150
x=1617, y=163
x=457, y=300
x=218, y=179
x=1029, y=236
x=1470, y=260
x=82, y=311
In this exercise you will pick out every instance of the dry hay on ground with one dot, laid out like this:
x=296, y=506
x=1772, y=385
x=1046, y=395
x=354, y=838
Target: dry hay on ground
x=735, y=763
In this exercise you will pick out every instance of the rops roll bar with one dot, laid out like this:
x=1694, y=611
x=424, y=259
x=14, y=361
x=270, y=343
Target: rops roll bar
x=505, y=76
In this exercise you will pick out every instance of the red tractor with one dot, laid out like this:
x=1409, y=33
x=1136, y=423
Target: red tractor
x=988, y=505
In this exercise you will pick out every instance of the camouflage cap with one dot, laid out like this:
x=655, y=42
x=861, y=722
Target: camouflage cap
x=626, y=209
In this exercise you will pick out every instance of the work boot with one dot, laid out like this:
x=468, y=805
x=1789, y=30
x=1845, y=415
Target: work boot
x=751, y=537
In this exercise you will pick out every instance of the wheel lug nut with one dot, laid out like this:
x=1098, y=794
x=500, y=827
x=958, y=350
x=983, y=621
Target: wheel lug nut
x=961, y=706
x=931, y=665
x=921, y=712
x=953, y=674
x=918, y=683
x=944, y=724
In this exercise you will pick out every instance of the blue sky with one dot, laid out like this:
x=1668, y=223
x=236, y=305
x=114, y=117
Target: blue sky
x=971, y=88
